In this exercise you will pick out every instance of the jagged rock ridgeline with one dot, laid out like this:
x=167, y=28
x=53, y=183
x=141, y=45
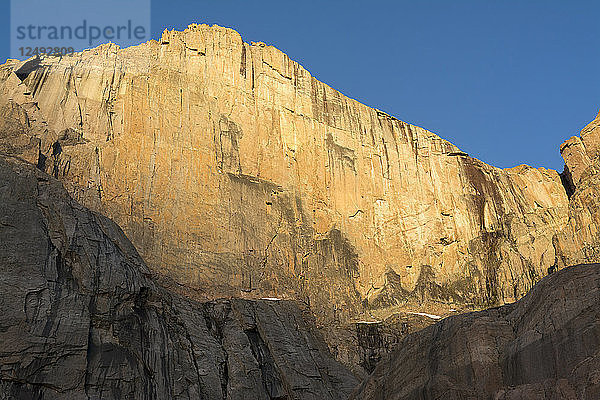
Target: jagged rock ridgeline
x=545, y=346
x=236, y=172
x=82, y=317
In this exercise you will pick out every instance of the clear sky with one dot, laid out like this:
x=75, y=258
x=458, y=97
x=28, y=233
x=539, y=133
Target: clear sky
x=506, y=81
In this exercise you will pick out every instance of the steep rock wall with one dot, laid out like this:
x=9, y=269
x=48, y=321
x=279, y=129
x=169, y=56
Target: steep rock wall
x=235, y=172
x=579, y=242
x=81, y=316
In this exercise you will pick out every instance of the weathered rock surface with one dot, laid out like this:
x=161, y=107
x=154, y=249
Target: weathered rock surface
x=579, y=242
x=81, y=317
x=545, y=346
x=234, y=171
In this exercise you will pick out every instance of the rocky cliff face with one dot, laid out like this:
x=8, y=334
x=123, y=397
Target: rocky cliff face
x=82, y=317
x=237, y=174
x=580, y=241
x=545, y=346
x=234, y=171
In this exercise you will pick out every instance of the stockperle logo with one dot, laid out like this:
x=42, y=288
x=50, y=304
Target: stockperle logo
x=60, y=27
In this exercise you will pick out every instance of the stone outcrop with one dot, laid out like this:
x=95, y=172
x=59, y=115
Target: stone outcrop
x=81, y=316
x=235, y=172
x=545, y=346
x=579, y=242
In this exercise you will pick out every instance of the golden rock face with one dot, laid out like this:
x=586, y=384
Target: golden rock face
x=579, y=242
x=235, y=172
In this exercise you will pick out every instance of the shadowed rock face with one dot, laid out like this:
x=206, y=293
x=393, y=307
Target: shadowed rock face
x=82, y=317
x=233, y=170
x=545, y=346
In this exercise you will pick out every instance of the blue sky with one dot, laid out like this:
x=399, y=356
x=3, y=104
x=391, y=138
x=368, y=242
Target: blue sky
x=506, y=81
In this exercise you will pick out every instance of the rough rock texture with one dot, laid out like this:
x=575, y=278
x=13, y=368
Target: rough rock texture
x=81, y=317
x=580, y=240
x=234, y=171
x=545, y=346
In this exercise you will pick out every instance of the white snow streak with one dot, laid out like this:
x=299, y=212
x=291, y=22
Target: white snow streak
x=432, y=316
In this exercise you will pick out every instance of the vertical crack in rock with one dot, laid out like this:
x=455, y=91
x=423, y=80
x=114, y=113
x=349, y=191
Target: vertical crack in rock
x=243, y=61
x=215, y=314
x=567, y=181
x=369, y=340
x=227, y=146
x=270, y=375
